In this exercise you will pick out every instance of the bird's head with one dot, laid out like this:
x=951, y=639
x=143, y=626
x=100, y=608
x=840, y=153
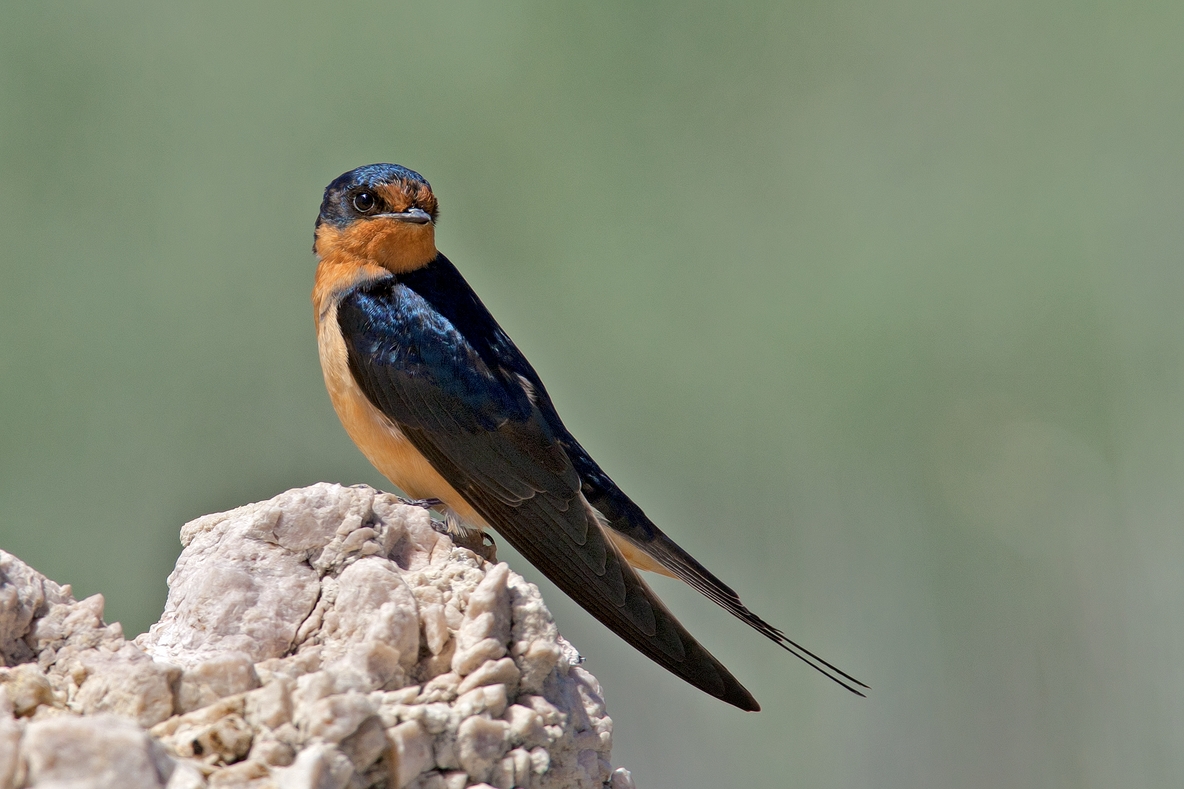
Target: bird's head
x=381, y=213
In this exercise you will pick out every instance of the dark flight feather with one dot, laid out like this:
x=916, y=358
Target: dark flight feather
x=476, y=424
x=427, y=353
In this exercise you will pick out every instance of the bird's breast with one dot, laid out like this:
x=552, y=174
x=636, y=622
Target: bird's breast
x=380, y=439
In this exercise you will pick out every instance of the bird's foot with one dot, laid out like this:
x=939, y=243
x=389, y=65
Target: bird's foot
x=488, y=550
x=466, y=536
x=427, y=504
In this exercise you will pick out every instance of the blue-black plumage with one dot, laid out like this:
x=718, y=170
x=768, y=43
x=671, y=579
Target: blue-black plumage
x=440, y=399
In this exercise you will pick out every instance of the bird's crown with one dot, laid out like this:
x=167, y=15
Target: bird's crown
x=378, y=190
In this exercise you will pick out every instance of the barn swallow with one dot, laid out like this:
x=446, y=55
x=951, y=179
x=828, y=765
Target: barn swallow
x=441, y=401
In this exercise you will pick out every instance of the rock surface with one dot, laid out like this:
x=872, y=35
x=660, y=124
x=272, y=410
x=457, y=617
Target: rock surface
x=329, y=638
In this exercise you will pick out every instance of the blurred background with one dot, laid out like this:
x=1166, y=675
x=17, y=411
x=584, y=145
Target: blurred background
x=875, y=307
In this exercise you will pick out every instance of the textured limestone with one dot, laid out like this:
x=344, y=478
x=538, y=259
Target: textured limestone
x=329, y=638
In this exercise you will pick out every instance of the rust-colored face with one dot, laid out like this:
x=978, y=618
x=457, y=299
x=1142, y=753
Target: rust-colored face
x=402, y=195
x=396, y=232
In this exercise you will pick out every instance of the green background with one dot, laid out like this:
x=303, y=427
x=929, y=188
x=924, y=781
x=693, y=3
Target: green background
x=875, y=307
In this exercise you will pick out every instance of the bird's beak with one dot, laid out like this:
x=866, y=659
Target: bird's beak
x=414, y=216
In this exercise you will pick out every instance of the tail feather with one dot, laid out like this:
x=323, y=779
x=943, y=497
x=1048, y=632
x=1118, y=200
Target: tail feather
x=684, y=566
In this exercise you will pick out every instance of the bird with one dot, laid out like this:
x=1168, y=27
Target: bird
x=441, y=401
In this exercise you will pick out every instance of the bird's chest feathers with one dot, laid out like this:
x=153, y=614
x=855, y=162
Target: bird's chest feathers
x=378, y=437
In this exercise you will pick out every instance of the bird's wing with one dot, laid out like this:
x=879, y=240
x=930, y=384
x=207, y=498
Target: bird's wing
x=480, y=429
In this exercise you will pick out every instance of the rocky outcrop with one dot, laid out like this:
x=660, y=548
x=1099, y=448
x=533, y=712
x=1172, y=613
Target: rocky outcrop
x=330, y=638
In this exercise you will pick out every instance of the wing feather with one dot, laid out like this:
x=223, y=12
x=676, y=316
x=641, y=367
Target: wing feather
x=480, y=429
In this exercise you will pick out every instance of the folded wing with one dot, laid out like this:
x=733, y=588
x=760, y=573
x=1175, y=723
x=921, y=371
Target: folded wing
x=478, y=425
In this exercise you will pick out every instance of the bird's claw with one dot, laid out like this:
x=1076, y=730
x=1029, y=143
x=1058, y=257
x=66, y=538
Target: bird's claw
x=489, y=551
x=426, y=504
x=475, y=540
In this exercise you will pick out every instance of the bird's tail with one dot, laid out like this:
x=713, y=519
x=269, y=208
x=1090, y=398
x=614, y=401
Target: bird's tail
x=620, y=599
x=682, y=565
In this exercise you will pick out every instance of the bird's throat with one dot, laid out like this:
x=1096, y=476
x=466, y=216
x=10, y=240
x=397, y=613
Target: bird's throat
x=397, y=246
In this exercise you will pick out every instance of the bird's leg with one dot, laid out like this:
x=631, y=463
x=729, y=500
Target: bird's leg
x=489, y=551
x=427, y=504
x=466, y=535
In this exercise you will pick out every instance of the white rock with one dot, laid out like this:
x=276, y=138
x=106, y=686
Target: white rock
x=526, y=726
x=10, y=743
x=371, y=665
x=186, y=776
x=234, y=589
x=366, y=745
x=24, y=595
x=220, y=676
x=485, y=630
x=513, y=770
x=492, y=672
x=317, y=767
x=481, y=742
x=373, y=604
x=26, y=688
x=325, y=639
x=487, y=698
x=93, y=752
x=127, y=683
x=336, y=717
x=413, y=751
x=270, y=706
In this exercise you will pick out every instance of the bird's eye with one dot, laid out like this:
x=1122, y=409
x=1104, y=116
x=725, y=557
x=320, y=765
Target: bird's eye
x=364, y=202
